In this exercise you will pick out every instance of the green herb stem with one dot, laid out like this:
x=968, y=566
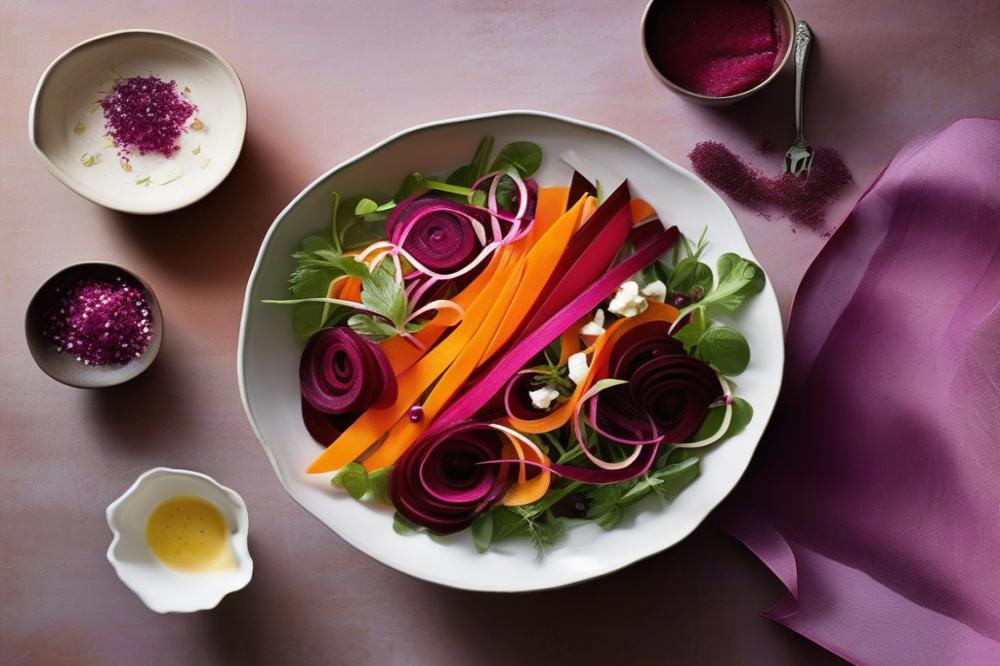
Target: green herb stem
x=446, y=187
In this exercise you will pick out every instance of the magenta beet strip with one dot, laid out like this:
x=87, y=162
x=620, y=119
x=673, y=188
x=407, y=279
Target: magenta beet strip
x=480, y=393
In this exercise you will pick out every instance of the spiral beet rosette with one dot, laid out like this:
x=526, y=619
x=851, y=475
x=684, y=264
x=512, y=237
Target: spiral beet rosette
x=341, y=372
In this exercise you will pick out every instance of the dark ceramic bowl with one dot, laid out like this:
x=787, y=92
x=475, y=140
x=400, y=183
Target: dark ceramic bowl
x=63, y=367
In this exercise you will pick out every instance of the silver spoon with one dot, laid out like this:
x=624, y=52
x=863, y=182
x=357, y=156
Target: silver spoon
x=799, y=157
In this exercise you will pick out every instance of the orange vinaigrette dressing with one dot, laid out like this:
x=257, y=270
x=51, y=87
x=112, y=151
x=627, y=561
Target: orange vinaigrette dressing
x=189, y=534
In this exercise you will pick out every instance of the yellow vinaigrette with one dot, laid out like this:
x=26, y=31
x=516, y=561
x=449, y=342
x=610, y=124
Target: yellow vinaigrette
x=189, y=534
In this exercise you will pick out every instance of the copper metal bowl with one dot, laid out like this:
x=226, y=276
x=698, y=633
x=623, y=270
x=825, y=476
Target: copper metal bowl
x=786, y=24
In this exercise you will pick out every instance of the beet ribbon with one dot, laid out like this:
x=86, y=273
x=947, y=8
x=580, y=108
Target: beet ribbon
x=441, y=481
x=479, y=393
x=341, y=372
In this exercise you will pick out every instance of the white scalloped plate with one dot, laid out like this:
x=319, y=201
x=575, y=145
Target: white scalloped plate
x=268, y=355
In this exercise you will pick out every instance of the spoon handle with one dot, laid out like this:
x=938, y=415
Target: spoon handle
x=803, y=38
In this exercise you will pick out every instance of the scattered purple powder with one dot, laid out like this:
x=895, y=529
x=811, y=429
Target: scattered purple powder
x=800, y=200
x=100, y=322
x=147, y=114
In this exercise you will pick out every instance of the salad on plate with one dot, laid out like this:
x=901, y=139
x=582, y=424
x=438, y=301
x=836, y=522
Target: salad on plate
x=483, y=352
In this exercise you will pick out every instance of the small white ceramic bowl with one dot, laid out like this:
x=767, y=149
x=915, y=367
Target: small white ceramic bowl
x=65, y=121
x=161, y=588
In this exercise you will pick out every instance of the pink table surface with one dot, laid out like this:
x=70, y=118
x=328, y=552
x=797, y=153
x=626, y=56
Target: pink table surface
x=324, y=81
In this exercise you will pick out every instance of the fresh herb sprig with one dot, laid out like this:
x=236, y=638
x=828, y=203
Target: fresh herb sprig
x=389, y=310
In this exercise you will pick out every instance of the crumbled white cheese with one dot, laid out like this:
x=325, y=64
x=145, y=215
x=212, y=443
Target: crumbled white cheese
x=578, y=367
x=595, y=327
x=627, y=302
x=655, y=291
x=543, y=397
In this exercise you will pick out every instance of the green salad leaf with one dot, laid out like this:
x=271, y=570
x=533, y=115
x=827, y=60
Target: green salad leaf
x=742, y=414
x=412, y=183
x=372, y=328
x=482, y=531
x=317, y=264
x=378, y=484
x=404, y=527
x=723, y=348
x=468, y=174
x=739, y=279
x=691, y=332
x=481, y=158
x=690, y=278
x=671, y=472
x=365, y=207
x=353, y=478
x=382, y=294
x=386, y=299
x=524, y=156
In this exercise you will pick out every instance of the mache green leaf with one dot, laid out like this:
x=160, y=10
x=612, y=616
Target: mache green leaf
x=353, y=478
x=404, y=527
x=691, y=278
x=742, y=415
x=365, y=207
x=412, y=183
x=482, y=531
x=725, y=349
x=378, y=484
x=739, y=279
x=480, y=160
x=524, y=156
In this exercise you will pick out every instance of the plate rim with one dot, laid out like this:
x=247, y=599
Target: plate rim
x=640, y=554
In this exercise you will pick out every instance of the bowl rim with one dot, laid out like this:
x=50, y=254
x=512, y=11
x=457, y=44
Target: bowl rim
x=764, y=413
x=242, y=533
x=59, y=174
x=788, y=17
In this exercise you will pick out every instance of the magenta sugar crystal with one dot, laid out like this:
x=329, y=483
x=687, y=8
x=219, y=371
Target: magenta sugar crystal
x=100, y=322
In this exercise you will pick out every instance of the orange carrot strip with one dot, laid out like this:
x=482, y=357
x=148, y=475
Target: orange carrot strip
x=539, y=263
x=336, y=288
x=642, y=212
x=351, y=291
x=422, y=370
x=525, y=491
x=512, y=307
x=549, y=207
x=466, y=359
x=598, y=364
x=589, y=206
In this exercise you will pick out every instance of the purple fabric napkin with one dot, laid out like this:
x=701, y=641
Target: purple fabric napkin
x=875, y=497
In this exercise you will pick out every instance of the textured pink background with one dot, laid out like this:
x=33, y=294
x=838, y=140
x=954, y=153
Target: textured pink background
x=323, y=81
